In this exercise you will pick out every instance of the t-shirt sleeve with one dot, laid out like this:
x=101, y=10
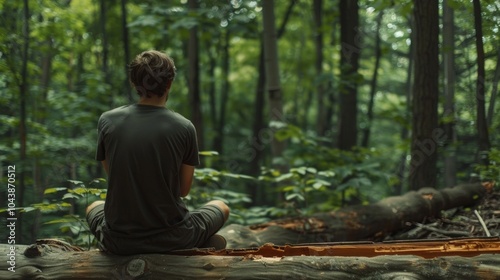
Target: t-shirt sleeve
x=191, y=155
x=100, y=154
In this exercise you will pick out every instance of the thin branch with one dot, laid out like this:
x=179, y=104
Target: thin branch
x=482, y=223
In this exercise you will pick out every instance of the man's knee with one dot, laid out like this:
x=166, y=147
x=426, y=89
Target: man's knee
x=93, y=205
x=222, y=206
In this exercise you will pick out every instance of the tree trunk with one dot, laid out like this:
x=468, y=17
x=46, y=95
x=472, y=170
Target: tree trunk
x=482, y=127
x=373, y=83
x=494, y=90
x=273, y=76
x=331, y=98
x=349, y=261
x=212, y=53
x=194, y=77
x=126, y=49
x=105, y=45
x=360, y=222
x=349, y=64
x=425, y=131
x=225, y=87
x=401, y=167
x=318, y=65
x=20, y=171
x=258, y=142
x=450, y=160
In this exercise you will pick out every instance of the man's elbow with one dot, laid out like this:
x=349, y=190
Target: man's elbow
x=185, y=190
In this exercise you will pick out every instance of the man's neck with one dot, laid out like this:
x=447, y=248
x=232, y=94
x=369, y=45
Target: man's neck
x=153, y=101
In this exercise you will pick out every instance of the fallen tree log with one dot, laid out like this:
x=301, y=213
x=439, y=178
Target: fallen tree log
x=362, y=222
x=442, y=259
x=52, y=261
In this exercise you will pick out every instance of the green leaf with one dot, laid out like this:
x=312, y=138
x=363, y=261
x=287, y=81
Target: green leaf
x=80, y=190
x=284, y=177
x=288, y=188
x=59, y=221
x=294, y=195
x=71, y=195
x=28, y=209
x=53, y=190
x=208, y=153
x=74, y=182
x=312, y=170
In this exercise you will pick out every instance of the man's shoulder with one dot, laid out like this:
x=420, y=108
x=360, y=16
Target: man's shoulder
x=177, y=116
x=117, y=111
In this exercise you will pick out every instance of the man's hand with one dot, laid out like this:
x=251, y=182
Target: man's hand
x=186, y=176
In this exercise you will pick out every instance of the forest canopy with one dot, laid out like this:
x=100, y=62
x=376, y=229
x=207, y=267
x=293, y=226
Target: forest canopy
x=363, y=100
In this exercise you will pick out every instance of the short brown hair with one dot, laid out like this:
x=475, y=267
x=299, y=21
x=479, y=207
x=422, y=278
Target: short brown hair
x=151, y=72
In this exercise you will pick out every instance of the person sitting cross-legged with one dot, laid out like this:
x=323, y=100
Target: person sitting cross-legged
x=149, y=154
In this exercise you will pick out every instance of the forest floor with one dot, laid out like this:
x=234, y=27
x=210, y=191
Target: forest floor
x=481, y=220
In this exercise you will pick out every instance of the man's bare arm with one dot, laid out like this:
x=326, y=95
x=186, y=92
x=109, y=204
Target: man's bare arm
x=106, y=167
x=186, y=174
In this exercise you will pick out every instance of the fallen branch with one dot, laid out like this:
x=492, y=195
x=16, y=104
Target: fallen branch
x=448, y=233
x=482, y=223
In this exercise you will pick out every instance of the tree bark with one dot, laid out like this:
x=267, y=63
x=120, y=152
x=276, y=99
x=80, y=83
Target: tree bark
x=450, y=160
x=23, y=95
x=318, y=65
x=272, y=72
x=105, y=48
x=257, y=141
x=361, y=222
x=494, y=90
x=402, y=167
x=463, y=259
x=349, y=64
x=425, y=131
x=126, y=49
x=225, y=88
x=482, y=127
x=373, y=83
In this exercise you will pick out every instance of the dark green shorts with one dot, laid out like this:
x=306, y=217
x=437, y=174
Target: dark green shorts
x=202, y=223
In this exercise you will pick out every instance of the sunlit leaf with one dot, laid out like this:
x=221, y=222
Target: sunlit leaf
x=53, y=190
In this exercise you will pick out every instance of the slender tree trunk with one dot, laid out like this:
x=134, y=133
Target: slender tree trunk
x=450, y=160
x=349, y=64
x=258, y=143
x=219, y=142
x=272, y=73
x=39, y=116
x=425, y=132
x=318, y=65
x=105, y=46
x=482, y=127
x=331, y=97
x=194, y=77
x=373, y=83
x=23, y=134
x=494, y=90
x=126, y=50
x=212, y=101
x=401, y=169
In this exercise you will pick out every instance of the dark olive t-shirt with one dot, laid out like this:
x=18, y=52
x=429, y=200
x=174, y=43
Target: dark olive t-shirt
x=145, y=147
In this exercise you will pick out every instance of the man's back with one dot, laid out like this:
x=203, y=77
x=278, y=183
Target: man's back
x=149, y=154
x=145, y=147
